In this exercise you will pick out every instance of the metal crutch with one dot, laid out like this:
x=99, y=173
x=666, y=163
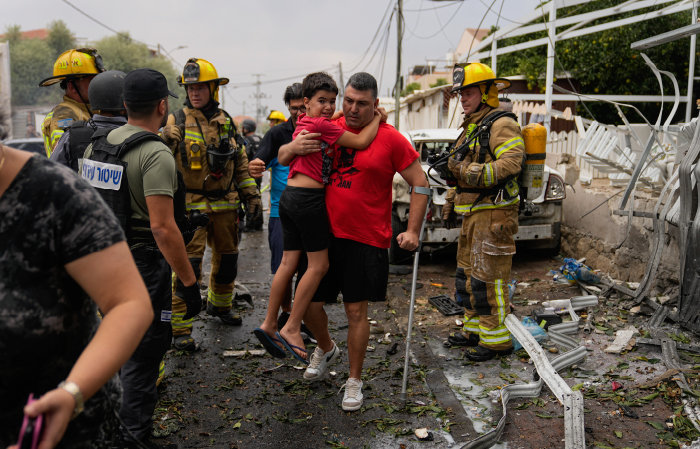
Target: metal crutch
x=428, y=192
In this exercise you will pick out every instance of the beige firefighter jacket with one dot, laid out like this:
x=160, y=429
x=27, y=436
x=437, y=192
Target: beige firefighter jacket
x=507, y=145
x=61, y=118
x=202, y=180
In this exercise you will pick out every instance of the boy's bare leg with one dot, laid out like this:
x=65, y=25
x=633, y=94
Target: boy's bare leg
x=280, y=285
x=317, y=268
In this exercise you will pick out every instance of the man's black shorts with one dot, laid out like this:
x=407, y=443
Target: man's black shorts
x=304, y=219
x=359, y=271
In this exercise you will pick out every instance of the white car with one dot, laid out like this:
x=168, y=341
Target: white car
x=32, y=144
x=539, y=223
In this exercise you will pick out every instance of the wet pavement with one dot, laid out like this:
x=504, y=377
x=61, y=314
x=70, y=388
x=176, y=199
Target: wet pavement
x=212, y=399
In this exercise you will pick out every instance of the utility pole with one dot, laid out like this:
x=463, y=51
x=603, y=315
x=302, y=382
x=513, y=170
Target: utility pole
x=342, y=83
x=399, y=37
x=258, y=96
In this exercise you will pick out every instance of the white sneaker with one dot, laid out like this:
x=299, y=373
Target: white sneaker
x=352, y=399
x=318, y=365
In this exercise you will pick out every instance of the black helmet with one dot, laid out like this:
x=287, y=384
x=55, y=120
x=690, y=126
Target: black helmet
x=248, y=125
x=105, y=91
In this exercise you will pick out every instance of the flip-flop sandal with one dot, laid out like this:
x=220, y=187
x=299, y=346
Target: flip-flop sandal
x=269, y=344
x=291, y=349
x=184, y=343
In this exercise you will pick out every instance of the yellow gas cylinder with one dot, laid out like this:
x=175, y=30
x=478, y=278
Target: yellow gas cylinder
x=535, y=137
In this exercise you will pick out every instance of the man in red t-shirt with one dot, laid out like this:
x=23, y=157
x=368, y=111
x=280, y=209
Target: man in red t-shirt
x=358, y=201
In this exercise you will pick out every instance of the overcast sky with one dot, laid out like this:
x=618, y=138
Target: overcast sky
x=280, y=40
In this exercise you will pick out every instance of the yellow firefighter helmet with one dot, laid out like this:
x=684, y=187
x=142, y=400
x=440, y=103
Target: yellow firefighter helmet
x=478, y=74
x=276, y=115
x=75, y=63
x=202, y=71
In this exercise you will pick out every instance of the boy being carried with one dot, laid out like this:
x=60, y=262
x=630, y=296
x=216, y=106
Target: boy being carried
x=303, y=215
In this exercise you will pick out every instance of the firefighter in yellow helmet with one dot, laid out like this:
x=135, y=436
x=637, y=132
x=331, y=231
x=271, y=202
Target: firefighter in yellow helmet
x=275, y=118
x=211, y=157
x=486, y=166
x=74, y=69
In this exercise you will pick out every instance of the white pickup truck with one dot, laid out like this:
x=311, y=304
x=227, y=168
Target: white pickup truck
x=539, y=222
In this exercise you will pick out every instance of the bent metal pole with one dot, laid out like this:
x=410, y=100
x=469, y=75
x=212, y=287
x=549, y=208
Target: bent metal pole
x=428, y=192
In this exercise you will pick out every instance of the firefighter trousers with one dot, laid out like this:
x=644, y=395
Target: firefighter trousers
x=484, y=258
x=221, y=234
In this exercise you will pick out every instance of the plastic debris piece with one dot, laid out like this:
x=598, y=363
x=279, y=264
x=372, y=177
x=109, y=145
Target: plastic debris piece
x=393, y=350
x=574, y=271
x=423, y=434
x=511, y=289
x=534, y=329
x=616, y=385
x=252, y=352
x=622, y=339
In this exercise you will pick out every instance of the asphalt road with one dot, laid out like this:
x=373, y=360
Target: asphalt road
x=212, y=399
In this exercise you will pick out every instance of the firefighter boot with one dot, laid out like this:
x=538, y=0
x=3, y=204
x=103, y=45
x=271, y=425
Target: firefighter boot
x=225, y=315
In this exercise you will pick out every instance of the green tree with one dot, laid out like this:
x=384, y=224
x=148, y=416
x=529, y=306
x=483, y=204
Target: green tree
x=121, y=52
x=603, y=63
x=31, y=60
x=409, y=89
x=60, y=37
x=13, y=33
x=439, y=82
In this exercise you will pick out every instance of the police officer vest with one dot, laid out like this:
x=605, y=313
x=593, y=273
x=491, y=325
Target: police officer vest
x=105, y=171
x=80, y=133
x=252, y=143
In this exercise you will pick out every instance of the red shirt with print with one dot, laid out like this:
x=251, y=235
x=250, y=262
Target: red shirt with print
x=358, y=197
x=311, y=164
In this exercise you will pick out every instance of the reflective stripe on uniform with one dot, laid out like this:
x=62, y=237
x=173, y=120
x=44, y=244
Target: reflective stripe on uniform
x=489, y=179
x=464, y=209
x=507, y=145
x=471, y=325
x=195, y=136
x=56, y=135
x=247, y=182
x=500, y=300
x=214, y=205
x=178, y=321
x=220, y=300
x=496, y=336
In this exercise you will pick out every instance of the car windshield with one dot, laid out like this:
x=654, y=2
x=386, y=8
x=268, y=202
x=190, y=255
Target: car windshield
x=31, y=145
x=428, y=148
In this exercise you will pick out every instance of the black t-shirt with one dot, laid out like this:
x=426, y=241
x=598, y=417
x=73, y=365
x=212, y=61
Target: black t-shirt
x=272, y=141
x=50, y=217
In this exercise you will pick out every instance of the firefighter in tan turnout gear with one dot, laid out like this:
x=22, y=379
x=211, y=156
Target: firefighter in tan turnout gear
x=487, y=196
x=74, y=69
x=212, y=159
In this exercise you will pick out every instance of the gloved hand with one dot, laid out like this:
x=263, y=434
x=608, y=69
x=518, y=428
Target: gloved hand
x=449, y=217
x=453, y=166
x=171, y=134
x=253, y=215
x=192, y=298
x=472, y=174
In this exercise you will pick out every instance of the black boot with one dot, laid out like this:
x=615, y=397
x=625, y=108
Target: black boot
x=462, y=340
x=481, y=353
x=226, y=316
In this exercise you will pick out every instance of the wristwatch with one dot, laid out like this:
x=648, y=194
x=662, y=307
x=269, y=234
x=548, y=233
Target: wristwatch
x=74, y=390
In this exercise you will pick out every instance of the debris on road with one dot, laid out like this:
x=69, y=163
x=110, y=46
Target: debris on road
x=623, y=341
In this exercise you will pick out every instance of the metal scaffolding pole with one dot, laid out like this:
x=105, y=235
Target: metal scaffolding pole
x=551, y=31
x=691, y=67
